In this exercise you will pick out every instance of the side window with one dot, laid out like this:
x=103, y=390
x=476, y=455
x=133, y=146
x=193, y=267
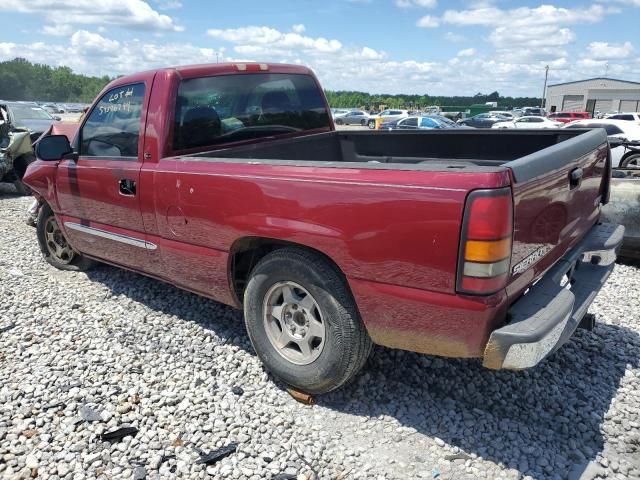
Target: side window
x=113, y=128
x=612, y=129
x=427, y=123
x=411, y=122
x=536, y=120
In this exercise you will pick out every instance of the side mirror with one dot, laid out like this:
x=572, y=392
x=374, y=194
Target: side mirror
x=53, y=148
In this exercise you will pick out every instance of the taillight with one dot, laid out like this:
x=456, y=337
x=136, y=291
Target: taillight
x=485, y=242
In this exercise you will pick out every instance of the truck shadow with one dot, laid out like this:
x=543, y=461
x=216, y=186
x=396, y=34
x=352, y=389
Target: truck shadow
x=554, y=411
x=225, y=322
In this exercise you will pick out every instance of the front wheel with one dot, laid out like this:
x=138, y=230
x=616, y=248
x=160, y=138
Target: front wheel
x=54, y=245
x=363, y=122
x=303, y=322
x=632, y=161
x=372, y=124
x=339, y=122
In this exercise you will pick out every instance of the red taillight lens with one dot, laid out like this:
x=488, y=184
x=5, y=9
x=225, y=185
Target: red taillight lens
x=485, y=242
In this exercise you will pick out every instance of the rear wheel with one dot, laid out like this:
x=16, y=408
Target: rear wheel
x=339, y=122
x=363, y=122
x=632, y=161
x=372, y=124
x=54, y=245
x=303, y=322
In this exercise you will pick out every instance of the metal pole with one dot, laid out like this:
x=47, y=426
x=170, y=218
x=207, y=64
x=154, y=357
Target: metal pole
x=544, y=89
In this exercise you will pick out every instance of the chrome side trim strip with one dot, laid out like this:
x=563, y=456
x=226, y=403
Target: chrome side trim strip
x=136, y=242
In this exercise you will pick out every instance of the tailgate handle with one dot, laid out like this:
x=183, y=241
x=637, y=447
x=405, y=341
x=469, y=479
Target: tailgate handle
x=575, y=176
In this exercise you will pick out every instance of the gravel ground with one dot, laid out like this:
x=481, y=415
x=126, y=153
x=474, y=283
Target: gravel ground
x=84, y=354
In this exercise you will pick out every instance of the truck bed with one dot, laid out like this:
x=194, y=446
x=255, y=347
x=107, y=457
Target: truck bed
x=401, y=150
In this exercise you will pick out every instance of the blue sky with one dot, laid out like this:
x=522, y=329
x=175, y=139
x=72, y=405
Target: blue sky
x=392, y=46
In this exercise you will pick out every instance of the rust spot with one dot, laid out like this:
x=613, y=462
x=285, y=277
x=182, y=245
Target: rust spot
x=414, y=342
x=178, y=442
x=492, y=357
x=301, y=396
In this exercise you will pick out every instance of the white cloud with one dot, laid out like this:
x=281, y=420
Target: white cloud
x=168, y=4
x=467, y=52
x=428, y=22
x=525, y=16
x=93, y=54
x=258, y=39
x=93, y=44
x=60, y=14
x=454, y=37
x=604, y=50
x=417, y=3
x=298, y=28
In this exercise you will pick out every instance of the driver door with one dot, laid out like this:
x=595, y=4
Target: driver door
x=98, y=194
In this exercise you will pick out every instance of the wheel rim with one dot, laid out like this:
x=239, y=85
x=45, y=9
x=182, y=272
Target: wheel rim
x=294, y=323
x=57, y=245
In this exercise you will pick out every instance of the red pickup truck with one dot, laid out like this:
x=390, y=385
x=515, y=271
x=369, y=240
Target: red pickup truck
x=230, y=181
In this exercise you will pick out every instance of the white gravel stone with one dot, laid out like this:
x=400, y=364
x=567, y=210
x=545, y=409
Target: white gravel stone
x=144, y=354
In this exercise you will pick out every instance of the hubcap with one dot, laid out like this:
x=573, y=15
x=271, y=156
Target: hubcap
x=57, y=245
x=293, y=322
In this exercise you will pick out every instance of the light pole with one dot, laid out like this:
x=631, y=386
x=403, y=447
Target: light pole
x=544, y=89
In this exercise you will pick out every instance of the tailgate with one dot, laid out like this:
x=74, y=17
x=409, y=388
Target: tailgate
x=557, y=195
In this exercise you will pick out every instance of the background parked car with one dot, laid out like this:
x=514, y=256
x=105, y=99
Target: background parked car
x=335, y=112
x=533, y=111
x=387, y=116
x=628, y=116
x=52, y=109
x=566, y=117
x=420, y=122
x=482, y=120
x=622, y=155
x=504, y=113
x=528, y=122
x=353, y=117
x=30, y=116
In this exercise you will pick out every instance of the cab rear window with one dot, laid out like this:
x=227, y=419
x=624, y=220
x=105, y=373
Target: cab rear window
x=213, y=111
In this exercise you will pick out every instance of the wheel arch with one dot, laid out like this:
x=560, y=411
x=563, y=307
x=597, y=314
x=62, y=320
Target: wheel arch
x=629, y=154
x=246, y=252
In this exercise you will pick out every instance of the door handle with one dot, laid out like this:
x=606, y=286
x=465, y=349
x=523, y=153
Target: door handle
x=127, y=187
x=575, y=177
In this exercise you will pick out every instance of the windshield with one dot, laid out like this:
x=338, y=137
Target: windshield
x=444, y=121
x=230, y=108
x=29, y=112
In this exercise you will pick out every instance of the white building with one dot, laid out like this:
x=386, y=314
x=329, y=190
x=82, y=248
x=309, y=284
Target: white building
x=594, y=95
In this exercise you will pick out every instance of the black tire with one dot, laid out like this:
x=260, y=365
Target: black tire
x=363, y=122
x=19, y=168
x=75, y=262
x=21, y=188
x=339, y=122
x=372, y=124
x=631, y=161
x=346, y=345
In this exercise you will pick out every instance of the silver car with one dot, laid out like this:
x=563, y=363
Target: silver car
x=354, y=117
